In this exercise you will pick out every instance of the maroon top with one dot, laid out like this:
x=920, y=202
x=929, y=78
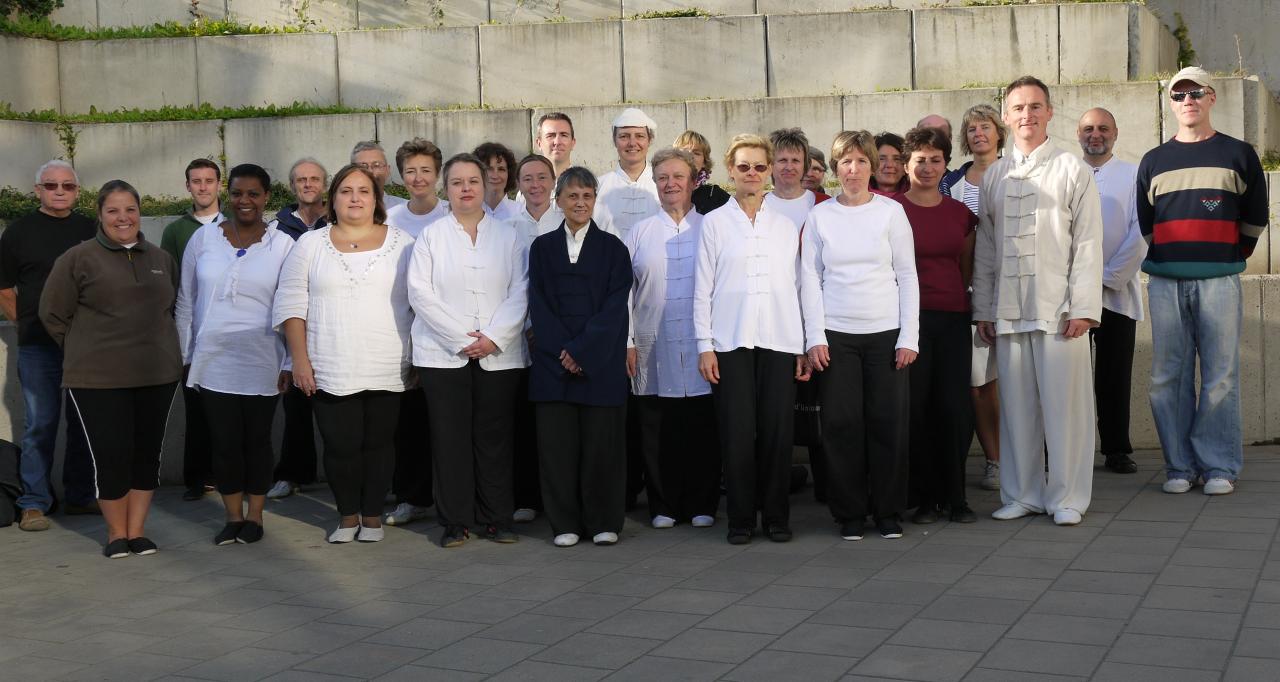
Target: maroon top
x=940, y=232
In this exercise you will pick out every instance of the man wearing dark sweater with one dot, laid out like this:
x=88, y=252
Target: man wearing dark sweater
x=28, y=248
x=1202, y=203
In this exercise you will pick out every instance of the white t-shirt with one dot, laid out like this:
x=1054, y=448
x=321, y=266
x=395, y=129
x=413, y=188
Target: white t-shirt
x=390, y=201
x=796, y=209
x=413, y=223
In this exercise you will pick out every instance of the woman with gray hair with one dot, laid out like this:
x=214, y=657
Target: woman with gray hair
x=579, y=283
x=676, y=414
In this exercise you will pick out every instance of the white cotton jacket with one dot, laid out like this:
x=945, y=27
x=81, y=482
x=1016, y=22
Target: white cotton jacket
x=1123, y=248
x=456, y=287
x=621, y=202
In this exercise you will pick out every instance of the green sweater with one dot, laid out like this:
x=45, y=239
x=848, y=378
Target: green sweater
x=177, y=234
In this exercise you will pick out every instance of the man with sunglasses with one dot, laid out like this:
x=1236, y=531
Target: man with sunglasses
x=1202, y=203
x=28, y=248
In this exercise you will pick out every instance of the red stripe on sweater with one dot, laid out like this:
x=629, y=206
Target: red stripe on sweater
x=1173, y=231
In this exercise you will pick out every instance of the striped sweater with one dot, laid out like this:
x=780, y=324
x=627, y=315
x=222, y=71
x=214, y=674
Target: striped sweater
x=1201, y=207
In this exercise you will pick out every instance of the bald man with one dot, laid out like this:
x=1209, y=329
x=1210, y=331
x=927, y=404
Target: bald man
x=935, y=121
x=1123, y=249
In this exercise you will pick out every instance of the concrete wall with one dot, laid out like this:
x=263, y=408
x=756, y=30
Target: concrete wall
x=151, y=156
x=275, y=143
x=31, y=81
x=801, y=47
x=1215, y=26
x=551, y=63
x=399, y=68
x=1136, y=107
x=26, y=147
x=129, y=74
x=256, y=70
x=720, y=120
x=1014, y=41
x=657, y=68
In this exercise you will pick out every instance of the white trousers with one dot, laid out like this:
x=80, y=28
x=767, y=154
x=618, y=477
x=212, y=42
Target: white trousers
x=1046, y=397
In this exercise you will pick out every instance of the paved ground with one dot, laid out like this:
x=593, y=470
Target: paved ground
x=1150, y=587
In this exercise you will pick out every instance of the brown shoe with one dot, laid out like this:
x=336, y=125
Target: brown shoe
x=33, y=520
x=82, y=509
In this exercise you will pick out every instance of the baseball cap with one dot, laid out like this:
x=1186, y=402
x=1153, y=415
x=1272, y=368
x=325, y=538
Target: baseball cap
x=1194, y=74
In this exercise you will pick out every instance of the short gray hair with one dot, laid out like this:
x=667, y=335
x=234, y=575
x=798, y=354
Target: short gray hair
x=670, y=154
x=312, y=160
x=579, y=176
x=367, y=146
x=56, y=163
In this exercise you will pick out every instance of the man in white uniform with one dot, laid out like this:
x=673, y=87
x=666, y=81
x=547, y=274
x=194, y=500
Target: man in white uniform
x=627, y=193
x=1037, y=288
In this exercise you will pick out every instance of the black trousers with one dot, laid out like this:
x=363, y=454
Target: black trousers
x=298, y=451
x=941, y=409
x=359, y=447
x=755, y=414
x=240, y=437
x=197, y=455
x=472, y=415
x=125, y=429
x=581, y=458
x=681, y=455
x=412, y=479
x=526, y=487
x=1112, y=375
x=865, y=417
x=635, y=452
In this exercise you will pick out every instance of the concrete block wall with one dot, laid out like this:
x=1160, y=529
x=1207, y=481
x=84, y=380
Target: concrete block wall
x=655, y=67
x=150, y=156
x=802, y=46
x=129, y=74
x=526, y=65
x=275, y=143
x=31, y=81
x=395, y=68
x=26, y=147
x=257, y=70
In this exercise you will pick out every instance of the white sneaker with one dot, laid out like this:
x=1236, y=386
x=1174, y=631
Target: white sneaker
x=566, y=540
x=367, y=534
x=1066, y=517
x=1011, y=511
x=704, y=521
x=405, y=513
x=605, y=538
x=343, y=535
x=524, y=515
x=1218, y=486
x=281, y=489
x=990, y=476
x=661, y=521
x=1176, y=486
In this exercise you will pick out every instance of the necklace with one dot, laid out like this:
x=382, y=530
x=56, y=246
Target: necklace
x=241, y=250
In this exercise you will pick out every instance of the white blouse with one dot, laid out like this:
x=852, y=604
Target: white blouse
x=507, y=209
x=530, y=228
x=414, y=223
x=358, y=316
x=663, y=257
x=746, y=294
x=224, y=312
x=621, y=202
x=457, y=287
x=796, y=209
x=858, y=272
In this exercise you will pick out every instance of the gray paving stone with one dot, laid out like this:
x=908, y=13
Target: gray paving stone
x=315, y=638
x=478, y=655
x=1267, y=591
x=305, y=676
x=1151, y=546
x=533, y=588
x=992, y=675
x=40, y=668
x=1193, y=624
x=1044, y=657
x=1087, y=604
x=946, y=634
x=783, y=666
x=915, y=663
x=426, y=633
x=573, y=569
x=484, y=574
x=825, y=576
x=999, y=588
x=538, y=671
x=595, y=650
x=1263, y=616
x=916, y=571
x=1103, y=582
x=589, y=606
x=846, y=557
x=720, y=646
x=99, y=647
x=1242, y=669
x=646, y=624
x=630, y=584
x=668, y=565
x=1111, y=671
x=362, y=659
x=1235, y=525
x=483, y=609
x=1202, y=576
x=1039, y=549
x=1218, y=558
x=1177, y=652
x=789, y=596
x=763, y=619
x=836, y=640
x=896, y=592
x=722, y=580
x=378, y=614
x=650, y=668
x=207, y=643
x=436, y=593
x=680, y=600
x=417, y=673
x=535, y=628
x=865, y=614
x=1258, y=643
x=1067, y=629
x=1222, y=600
x=1224, y=540
x=978, y=610
x=1105, y=560
x=134, y=665
x=245, y=663
x=1146, y=529
x=1022, y=567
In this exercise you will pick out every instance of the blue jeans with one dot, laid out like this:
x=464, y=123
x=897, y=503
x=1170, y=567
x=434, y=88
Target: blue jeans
x=1193, y=318
x=40, y=373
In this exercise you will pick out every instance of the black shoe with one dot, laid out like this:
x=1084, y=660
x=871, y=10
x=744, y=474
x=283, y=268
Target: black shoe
x=498, y=534
x=116, y=549
x=193, y=494
x=851, y=530
x=454, y=536
x=142, y=546
x=227, y=536
x=1121, y=464
x=925, y=514
x=739, y=536
x=250, y=533
x=889, y=528
x=963, y=514
x=779, y=533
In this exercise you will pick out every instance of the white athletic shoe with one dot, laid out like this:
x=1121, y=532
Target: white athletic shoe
x=605, y=538
x=524, y=515
x=281, y=489
x=1176, y=486
x=405, y=513
x=661, y=521
x=1011, y=511
x=1219, y=486
x=566, y=540
x=1066, y=517
x=704, y=521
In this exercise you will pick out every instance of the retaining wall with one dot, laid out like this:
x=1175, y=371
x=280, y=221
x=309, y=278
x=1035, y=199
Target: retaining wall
x=547, y=64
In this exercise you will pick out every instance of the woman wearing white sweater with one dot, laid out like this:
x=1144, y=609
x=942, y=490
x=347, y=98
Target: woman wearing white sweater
x=861, y=303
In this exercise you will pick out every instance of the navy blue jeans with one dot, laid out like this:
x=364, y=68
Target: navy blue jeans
x=40, y=373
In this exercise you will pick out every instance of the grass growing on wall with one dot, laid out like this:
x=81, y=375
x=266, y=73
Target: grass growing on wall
x=204, y=112
x=27, y=27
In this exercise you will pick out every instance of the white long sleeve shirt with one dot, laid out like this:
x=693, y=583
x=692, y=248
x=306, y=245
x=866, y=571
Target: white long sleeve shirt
x=858, y=272
x=621, y=202
x=507, y=209
x=356, y=309
x=224, y=312
x=746, y=292
x=414, y=223
x=663, y=258
x=456, y=287
x=530, y=228
x=1123, y=248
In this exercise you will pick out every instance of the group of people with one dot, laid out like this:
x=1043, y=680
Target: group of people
x=555, y=351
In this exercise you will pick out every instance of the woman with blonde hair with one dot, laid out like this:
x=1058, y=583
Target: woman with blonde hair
x=707, y=196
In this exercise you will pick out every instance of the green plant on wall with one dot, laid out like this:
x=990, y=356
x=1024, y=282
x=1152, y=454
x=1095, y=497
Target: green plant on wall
x=35, y=9
x=1186, y=55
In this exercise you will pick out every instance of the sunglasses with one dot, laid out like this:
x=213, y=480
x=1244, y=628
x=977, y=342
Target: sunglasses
x=1196, y=95
x=66, y=186
x=759, y=167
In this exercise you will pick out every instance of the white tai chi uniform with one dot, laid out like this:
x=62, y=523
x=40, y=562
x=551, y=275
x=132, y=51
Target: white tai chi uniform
x=1038, y=263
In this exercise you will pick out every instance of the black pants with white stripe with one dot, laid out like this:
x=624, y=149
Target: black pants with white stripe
x=125, y=430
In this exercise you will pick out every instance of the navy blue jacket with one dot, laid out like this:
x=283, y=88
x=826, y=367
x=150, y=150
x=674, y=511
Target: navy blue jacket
x=289, y=223
x=952, y=177
x=580, y=308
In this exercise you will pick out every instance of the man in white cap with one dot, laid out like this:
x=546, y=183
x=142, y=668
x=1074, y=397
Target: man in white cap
x=1202, y=203
x=627, y=193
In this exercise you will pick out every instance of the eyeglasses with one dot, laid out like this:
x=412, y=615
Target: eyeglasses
x=53, y=186
x=1196, y=95
x=759, y=167
x=376, y=165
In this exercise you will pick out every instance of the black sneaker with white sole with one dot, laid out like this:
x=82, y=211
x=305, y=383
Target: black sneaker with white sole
x=227, y=536
x=851, y=530
x=889, y=528
x=142, y=546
